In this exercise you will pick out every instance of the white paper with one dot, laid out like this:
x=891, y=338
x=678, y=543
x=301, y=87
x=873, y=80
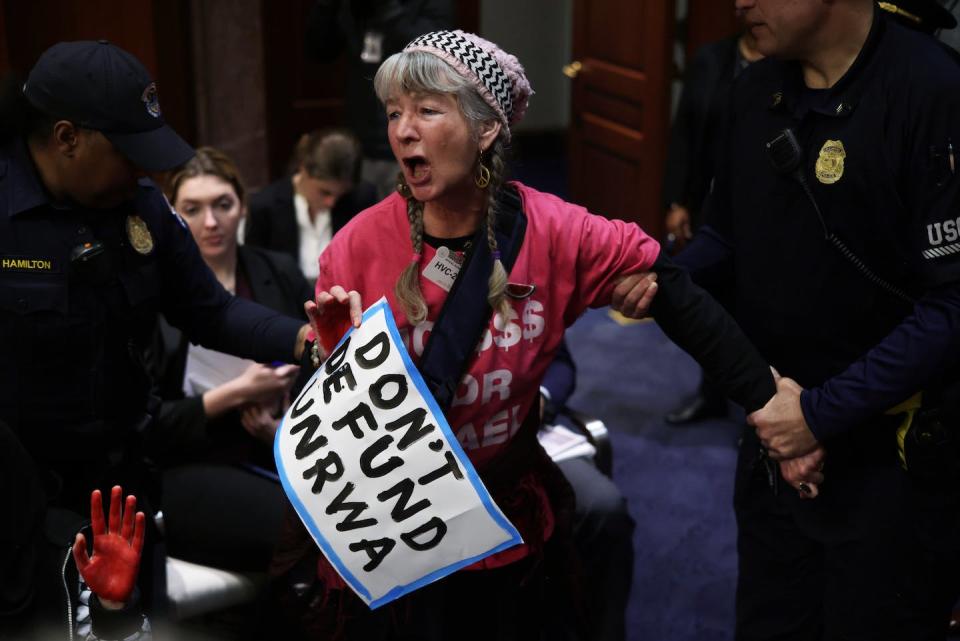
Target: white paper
x=207, y=369
x=364, y=431
x=561, y=443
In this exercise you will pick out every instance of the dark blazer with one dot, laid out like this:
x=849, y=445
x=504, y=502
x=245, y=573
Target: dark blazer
x=335, y=28
x=183, y=431
x=702, y=113
x=272, y=218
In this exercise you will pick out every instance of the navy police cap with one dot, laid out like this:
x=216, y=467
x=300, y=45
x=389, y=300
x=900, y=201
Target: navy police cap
x=926, y=15
x=100, y=86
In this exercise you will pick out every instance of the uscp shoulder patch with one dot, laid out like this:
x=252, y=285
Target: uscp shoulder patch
x=139, y=235
x=829, y=168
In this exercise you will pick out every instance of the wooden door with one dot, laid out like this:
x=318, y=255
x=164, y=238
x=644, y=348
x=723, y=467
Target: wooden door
x=709, y=21
x=621, y=107
x=157, y=32
x=302, y=94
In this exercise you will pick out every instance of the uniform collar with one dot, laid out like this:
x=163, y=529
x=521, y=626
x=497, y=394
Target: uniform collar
x=25, y=190
x=844, y=97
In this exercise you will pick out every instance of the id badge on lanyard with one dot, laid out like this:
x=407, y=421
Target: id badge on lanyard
x=443, y=269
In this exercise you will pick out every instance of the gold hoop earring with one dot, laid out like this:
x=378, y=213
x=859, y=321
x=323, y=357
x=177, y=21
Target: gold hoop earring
x=482, y=179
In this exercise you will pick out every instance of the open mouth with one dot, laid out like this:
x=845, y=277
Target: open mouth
x=417, y=168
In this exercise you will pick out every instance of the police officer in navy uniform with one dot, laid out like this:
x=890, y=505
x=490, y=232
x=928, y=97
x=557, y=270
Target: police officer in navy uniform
x=90, y=253
x=837, y=206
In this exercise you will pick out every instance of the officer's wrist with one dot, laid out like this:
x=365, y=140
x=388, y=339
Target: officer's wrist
x=300, y=345
x=317, y=354
x=111, y=605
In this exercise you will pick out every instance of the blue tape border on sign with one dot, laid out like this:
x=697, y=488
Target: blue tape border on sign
x=383, y=306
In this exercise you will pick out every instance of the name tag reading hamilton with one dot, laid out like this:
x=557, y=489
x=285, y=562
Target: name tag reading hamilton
x=28, y=264
x=443, y=269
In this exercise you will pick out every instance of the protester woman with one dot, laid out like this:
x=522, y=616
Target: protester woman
x=451, y=99
x=219, y=413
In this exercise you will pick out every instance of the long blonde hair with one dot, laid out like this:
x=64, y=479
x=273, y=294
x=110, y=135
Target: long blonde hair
x=422, y=72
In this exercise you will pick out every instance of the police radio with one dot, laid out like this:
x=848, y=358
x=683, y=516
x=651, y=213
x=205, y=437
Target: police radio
x=931, y=450
x=91, y=263
x=86, y=252
x=786, y=156
x=785, y=153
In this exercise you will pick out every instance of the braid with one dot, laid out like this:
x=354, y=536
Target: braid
x=407, y=288
x=497, y=285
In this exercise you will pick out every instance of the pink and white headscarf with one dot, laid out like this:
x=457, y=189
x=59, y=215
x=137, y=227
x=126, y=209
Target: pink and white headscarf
x=497, y=75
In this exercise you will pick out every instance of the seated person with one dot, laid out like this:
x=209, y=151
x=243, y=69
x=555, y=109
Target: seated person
x=299, y=214
x=42, y=580
x=602, y=526
x=220, y=413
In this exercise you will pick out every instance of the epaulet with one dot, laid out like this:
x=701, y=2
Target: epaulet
x=148, y=186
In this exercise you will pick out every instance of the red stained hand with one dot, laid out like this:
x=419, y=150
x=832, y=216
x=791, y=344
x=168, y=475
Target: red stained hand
x=112, y=572
x=333, y=313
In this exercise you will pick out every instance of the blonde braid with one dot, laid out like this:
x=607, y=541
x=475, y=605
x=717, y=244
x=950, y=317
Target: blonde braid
x=497, y=285
x=407, y=288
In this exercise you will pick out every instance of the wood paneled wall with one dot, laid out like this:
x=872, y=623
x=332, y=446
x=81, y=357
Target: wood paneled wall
x=709, y=21
x=155, y=31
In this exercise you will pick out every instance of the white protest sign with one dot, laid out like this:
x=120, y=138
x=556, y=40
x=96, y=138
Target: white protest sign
x=373, y=469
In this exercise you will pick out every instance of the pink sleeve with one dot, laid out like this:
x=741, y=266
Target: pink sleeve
x=606, y=250
x=326, y=278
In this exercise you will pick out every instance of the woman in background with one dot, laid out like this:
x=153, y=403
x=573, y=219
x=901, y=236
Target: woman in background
x=219, y=413
x=299, y=214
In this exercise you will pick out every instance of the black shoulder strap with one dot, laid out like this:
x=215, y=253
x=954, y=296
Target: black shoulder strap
x=465, y=313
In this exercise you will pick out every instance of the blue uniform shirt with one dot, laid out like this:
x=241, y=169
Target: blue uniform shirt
x=72, y=330
x=880, y=156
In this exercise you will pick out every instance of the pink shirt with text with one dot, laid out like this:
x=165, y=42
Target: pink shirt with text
x=572, y=258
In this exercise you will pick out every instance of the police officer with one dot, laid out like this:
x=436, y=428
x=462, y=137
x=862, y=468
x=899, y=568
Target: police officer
x=837, y=206
x=90, y=253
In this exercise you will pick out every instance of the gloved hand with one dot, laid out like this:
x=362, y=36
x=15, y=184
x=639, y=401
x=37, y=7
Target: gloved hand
x=112, y=572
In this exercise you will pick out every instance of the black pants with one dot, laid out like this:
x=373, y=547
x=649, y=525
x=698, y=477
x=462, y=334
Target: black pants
x=513, y=603
x=533, y=599
x=603, y=536
x=222, y=515
x=874, y=557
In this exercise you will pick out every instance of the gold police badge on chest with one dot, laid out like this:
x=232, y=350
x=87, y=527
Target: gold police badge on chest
x=829, y=167
x=139, y=235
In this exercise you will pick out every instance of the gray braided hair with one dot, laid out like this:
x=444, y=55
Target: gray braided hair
x=421, y=72
x=407, y=288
